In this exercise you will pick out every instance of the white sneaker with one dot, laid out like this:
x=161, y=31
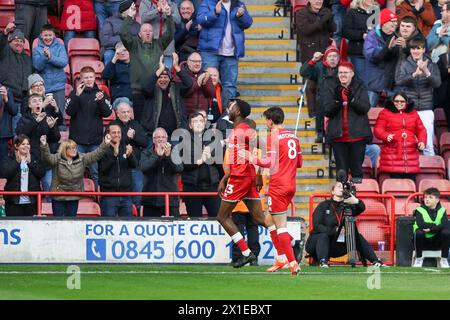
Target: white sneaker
x=418, y=263
x=444, y=263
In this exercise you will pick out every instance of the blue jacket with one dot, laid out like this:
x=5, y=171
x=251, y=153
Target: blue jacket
x=213, y=26
x=52, y=71
x=381, y=61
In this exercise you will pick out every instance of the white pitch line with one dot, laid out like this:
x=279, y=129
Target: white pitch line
x=435, y=272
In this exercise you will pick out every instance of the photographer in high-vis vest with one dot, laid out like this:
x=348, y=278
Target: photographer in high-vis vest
x=431, y=229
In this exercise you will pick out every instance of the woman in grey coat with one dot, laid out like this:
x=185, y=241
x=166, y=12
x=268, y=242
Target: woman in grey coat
x=68, y=171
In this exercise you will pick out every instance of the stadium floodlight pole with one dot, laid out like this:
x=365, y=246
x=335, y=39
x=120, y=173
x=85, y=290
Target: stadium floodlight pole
x=300, y=104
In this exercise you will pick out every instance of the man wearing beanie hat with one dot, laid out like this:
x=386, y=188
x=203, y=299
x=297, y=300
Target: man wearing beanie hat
x=318, y=69
x=346, y=105
x=35, y=79
x=15, y=65
x=421, y=10
x=109, y=33
x=381, y=53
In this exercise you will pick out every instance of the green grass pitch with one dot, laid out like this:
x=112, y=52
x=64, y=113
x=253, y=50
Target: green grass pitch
x=218, y=282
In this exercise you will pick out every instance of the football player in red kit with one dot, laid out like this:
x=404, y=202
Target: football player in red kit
x=283, y=158
x=241, y=182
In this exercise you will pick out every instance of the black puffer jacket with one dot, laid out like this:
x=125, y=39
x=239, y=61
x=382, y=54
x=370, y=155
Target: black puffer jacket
x=325, y=216
x=160, y=175
x=10, y=169
x=86, y=123
x=358, y=107
x=192, y=171
x=114, y=172
x=28, y=126
x=354, y=27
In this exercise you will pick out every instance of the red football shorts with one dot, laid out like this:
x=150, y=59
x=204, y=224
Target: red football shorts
x=239, y=188
x=279, y=201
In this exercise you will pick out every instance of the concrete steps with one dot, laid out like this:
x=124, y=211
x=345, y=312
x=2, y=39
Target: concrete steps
x=264, y=10
x=269, y=76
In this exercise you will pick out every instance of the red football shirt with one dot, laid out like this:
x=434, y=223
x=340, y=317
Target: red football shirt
x=284, y=157
x=242, y=137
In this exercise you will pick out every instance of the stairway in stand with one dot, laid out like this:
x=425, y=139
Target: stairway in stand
x=269, y=76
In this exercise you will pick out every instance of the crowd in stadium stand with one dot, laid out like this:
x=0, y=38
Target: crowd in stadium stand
x=170, y=64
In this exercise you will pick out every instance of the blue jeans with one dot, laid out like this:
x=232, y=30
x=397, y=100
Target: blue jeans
x=360, y=65
x=228, y=70
x=113, y=206
x=108, y=55
x=137, y=178
x=93, y=167
x=65, y=208
x=373, y=151
x=339, y=12
x=104, y=11
x=69, y=34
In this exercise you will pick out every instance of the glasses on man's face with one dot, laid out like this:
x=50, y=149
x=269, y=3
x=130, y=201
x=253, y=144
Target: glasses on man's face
x=195, y=61
x=40, y=85
x=400, y=101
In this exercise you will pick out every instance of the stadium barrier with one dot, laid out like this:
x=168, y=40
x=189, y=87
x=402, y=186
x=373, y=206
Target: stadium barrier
x=166, y=195
x=80, y=240
x=375, y=224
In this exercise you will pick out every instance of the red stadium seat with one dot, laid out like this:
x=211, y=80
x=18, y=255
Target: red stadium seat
x=89, y=186
x=105, y=89
x=6, y=17
x=373, y=223
x=83, y=47
x=441, y=184
x=400, y=189
x=69, y=89
x=7, y=5
x=2, y=183
x=431, y=167
x=89, y=209
x=444, y=146
x=440, y=122
x=373, y=115
x=68, y=73
x=107, y=120
x=85, y=209
x=367, y=168
x=367, y=186
x=411, y=207
x=26, y=47
x=297, y=5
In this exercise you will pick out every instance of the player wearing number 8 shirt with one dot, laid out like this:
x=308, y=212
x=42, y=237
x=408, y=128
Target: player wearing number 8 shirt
x=241, y=183
x=284, y=156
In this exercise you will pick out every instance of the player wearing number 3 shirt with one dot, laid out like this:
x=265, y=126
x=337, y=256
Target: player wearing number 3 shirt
x=283, y=158
x=241, y=183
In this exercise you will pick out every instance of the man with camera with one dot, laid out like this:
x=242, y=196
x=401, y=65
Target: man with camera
x=328, y=239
